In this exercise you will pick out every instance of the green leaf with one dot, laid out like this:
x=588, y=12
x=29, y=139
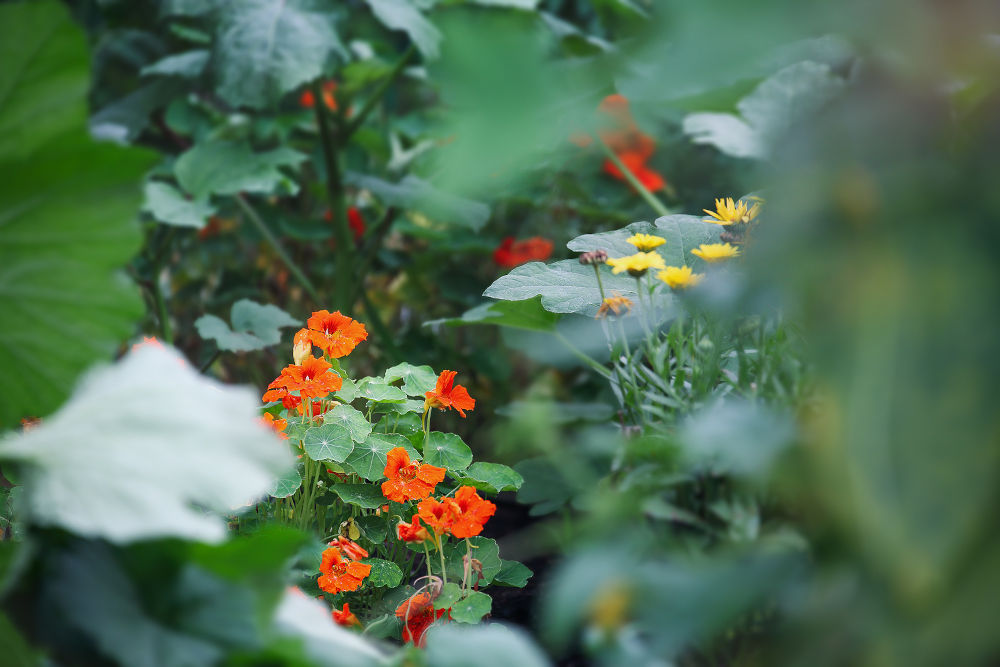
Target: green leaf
x=265, y=49
x=123, y=120
x=472, y=608
x=188, y=65
x=491, y=477
x=417, y=380
x=564, y=287
x=484, y=550
x=351, y=419
x=487, y=645
x=413, y=193
x=384, y=573
x=379, y=392
x=367, y=496
x=169, y=205
x=255, y=326
x=527, y=314
x=67, y=210
x=450, y=594
x=513, y=573
x=261, y=554
x=405, y=15
x=286, y=484
x=681, y=232
x=373, y=527
x=348, y=392
x=228, y=168
x=368, y=459
x=188, y=445
x=17, y=651
x=329, y=442
x=447, y=450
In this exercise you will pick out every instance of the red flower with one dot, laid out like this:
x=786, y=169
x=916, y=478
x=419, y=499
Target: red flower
x=445, y=396
x=345, y=617
x=413, y=531
x=354, y=220
x=350, y=549
x=312, y=379
x=418, y=614
x=511, y=253
x=408, y=481
x=336, y=334
x=339, y=574
x=634, y=162
x=474, y=512
x=308, y=100
x=439, y=514
x=278, y=425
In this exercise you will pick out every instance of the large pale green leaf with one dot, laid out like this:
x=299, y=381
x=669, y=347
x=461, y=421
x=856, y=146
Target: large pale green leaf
x=417, y=380
x=143, y=449
x=528, y=314
x=67, y=209
x=682, y=233
x=228, y=168
x=488, y=645
x=405, y=15
x=325, y=642
x=254, y=326
x=565, y=286
x=264, y=49
x=169, y=206
x=351, y=419
x=416, y=194
x=446, y=450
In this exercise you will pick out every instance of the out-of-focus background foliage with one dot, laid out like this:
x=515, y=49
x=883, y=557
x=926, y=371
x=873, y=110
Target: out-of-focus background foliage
x=819, y=486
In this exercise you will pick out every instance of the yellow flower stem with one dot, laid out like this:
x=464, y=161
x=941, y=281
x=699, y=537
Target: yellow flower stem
x=582, y=356
x=600, y=285
x=650, y=198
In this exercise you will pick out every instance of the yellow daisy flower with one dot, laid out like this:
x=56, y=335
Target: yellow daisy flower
x=679, y=277
x=716, y=252
x=646, y=242
x=637, y=264
x=728, y=212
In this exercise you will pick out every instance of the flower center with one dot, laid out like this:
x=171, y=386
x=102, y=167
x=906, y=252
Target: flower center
x=408, y=473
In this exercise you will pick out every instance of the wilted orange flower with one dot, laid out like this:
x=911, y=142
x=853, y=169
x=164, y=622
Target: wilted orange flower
x=413, y=531
x=439, y=514
x=418, y=614
x=445, y=395
x=345, y=617
x=278, y=425
x=511, y=253
x=336, y=334
x=408, y=481
x=350, y=549
x=308, y=100
x=312, y=379
x=340, y=574
x=474, y=512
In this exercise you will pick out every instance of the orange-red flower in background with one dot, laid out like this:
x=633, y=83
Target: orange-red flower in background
x=278, y=425
x=413, y=531
x=511, y=253
x=354, y=220
x=474, y=512
x=439, y=514
x=408, y=480
x=350, y=549
x=340, y=574
x=449, y=395
x=147, y=341
x=312, y=379
x=308, y=100
x=650, y=179
x=345, y=617
x=418, y=614
x=336, y=334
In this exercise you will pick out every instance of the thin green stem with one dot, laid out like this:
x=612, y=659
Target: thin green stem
x=344, y=254
x=444, y=573
x=643, y=191
x=582, y=356
x=427, y=560
x=258, y=222
x=166, y=332
x=359, y=118
x=600, y=285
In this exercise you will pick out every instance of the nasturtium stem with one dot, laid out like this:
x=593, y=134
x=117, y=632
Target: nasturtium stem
x=643, y=191
x=427, y=560
x=444, y=573
x=257, y=222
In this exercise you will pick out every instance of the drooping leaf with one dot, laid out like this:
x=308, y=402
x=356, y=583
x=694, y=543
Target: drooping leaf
x=565, y=286
x=67, y=207
x=491, y=477
x=416, y=194
x=367, y=496
x=405, y=15
x=513, y=574
x=682, y=233
x=527, y=314
x=187, y=441
x=255, y=326
x=228, y=168
x=329, y=442
x=169, y=205
x=265, y=49
x=384, y=573
x=326, y=643
x=188, y=65
x=417, y=380
x=447, y=450
x=472, y=608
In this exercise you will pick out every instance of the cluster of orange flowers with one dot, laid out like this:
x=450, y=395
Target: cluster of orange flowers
x=339, y=568
x=461, y=516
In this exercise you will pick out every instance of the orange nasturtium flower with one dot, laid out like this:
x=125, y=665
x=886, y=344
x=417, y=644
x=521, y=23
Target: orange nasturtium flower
x=336, y=334
x=474, y=513
x=340, y=574
x=312, y=379
x=418, y=614
x=350, y=549
x=408, y=481
x=308, y=100
x=278, y=425
x=345, y=617
x=413, y=531
x=440, y=515
x=445, y=395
